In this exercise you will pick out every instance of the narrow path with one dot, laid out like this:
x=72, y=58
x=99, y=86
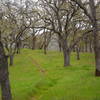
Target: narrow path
x=42, y=71
x=39, y=67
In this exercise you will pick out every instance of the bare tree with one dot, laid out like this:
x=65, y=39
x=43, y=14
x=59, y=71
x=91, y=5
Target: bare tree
x=59, y=16
x=92, y=16
x=16, y=23
x=4, y=74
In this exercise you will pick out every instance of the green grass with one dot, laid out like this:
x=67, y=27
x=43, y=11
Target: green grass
x=36, y=76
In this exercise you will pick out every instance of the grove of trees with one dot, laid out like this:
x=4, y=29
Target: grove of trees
x=32, y=24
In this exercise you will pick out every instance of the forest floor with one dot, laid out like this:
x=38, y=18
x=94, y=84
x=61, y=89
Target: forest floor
x=35, y=76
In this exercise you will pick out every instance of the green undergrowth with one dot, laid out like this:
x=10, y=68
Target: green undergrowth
x=35, y=76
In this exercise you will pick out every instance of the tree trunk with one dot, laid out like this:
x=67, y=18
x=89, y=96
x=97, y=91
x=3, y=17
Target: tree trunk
x=11, y=60
x=86, y=44
x=96, y=34
x=90, y=46
x=66, y=53
x=60, y=49
x=66, y=58
x=45, y=43
x=78, y=53
x=18, y=46
x=18, y=50
x=45, y=49
x=59, y=43
x=97, y=53
x=33, y=42
x=4, y=76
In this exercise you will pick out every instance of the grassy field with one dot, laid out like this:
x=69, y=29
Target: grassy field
x=36, y=76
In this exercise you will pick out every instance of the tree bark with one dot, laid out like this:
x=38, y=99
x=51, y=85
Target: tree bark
x=90, y=46
x=59, y=43
x=11, y=60
x=45, y=43
x=4, y=76
x=66, y=53
x=66, y=58
x=97, y=53
x=60, y=49
x=45, y=49
x=78, y=53
x=86, y=45
x=18, y=46
x=96, y=34
x=33, y=42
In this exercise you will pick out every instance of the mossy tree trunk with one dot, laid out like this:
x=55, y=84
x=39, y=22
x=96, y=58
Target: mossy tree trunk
x=4, y=75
